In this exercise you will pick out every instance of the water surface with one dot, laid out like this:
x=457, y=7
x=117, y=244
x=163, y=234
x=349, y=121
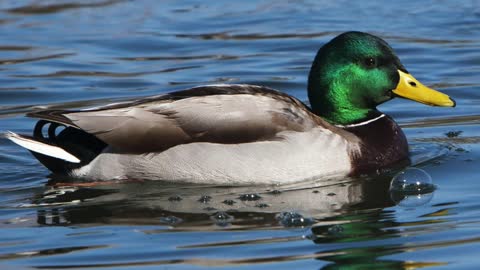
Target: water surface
x=67, y=54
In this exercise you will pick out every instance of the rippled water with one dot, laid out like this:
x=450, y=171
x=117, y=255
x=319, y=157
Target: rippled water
x=65, y=54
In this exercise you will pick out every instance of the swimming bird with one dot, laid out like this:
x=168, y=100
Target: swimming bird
x=244, y=134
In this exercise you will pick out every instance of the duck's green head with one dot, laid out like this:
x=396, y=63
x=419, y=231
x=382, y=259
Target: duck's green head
x=355, y=72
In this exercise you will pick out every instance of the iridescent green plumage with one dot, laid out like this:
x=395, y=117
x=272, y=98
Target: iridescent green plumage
x=350, y=76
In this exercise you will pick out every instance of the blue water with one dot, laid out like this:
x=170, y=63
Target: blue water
x=66, y=54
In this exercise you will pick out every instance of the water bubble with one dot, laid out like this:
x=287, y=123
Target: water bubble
x=171, y=220
x=250, y=197
x=412, y=181
x=205, y=199
x=229, y=202
x=276, y=192
x=294, y=219
x=262, y=205
x=335, y=230
x=175, y=198
x=222, y=218
x=453, y=134
x=411, y=187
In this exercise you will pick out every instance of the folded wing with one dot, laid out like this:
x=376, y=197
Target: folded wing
x=228, y=114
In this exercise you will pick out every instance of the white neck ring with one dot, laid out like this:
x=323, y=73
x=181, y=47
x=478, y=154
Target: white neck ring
x=361, y=123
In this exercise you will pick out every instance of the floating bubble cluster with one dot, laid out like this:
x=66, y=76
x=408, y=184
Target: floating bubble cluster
x=294, y=219
x=411, y=187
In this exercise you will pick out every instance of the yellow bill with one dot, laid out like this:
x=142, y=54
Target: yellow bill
x=410, y=88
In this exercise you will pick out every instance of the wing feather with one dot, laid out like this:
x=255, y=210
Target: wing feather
x=217, y=114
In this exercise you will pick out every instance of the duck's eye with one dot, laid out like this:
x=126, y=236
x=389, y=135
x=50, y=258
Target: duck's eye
x=370, y=62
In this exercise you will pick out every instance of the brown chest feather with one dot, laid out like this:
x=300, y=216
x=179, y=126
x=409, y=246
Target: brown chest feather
x=383, y=144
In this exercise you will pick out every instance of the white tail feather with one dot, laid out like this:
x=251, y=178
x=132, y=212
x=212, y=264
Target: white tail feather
x=41, y=148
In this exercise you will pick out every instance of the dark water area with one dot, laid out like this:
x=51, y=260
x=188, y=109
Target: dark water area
x=67, y=54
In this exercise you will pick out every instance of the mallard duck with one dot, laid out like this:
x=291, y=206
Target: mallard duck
x=244, y=134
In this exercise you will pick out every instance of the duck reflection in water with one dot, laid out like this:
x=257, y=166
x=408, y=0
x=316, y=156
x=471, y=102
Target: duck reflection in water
x=351, y=212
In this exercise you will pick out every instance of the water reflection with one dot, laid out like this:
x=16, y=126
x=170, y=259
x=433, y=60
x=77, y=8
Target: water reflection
x=72, y=54
x=368, y=258
x=349, y=212
x=140, y=202
x=53, y=8
x=33, y=59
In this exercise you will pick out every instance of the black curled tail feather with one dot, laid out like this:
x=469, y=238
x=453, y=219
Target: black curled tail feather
x=79, y=143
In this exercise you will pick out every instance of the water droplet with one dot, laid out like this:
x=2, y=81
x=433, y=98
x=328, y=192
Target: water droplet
x=411, y=187
x=175, y=198
x=276, y=192
x=205, y=199
x=293, y=219
x=250, y=197
x=262, y=205
x=170, y=220
x=335, y=230
x=453, y=134
x=222, y=218
x=229, y=202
